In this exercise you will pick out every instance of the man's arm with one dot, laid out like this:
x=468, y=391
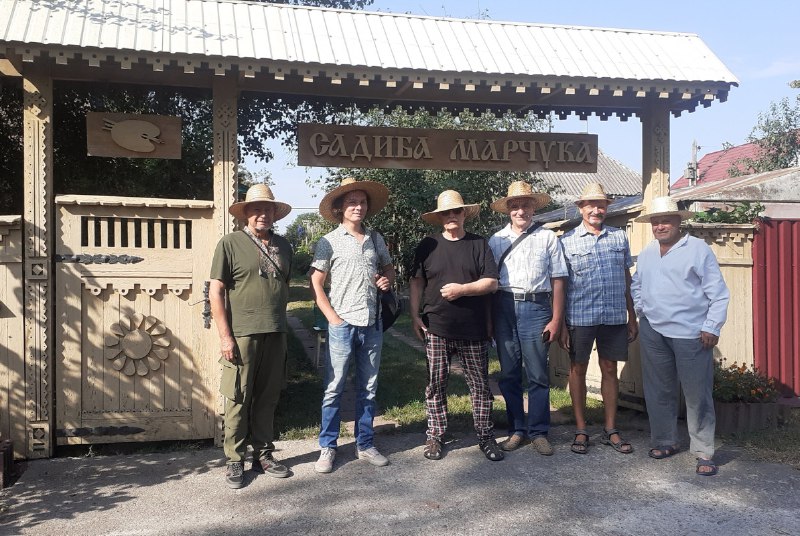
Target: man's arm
x=556, y=323
x=415, y=299
x=317, y=280
x=216, y=296
x=484, y=285
x=633, y=325
x=386, y=278
x=718, y=296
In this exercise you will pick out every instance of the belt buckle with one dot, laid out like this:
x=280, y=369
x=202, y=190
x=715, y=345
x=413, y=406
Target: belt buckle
x=519, y=296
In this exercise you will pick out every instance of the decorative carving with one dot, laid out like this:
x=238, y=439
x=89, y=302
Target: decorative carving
x=99, y=259
x=97, y=285
x=139, y=344
x=134, y=135
x=225, y=152
x=206, y=305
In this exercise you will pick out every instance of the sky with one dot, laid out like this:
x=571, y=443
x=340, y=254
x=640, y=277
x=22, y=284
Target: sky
x=758, y=42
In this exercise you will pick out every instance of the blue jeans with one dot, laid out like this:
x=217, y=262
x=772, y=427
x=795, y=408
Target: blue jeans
x=518, y=327
x=364, y=345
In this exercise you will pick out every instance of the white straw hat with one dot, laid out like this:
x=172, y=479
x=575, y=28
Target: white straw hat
x=448, y=200
x=520, y=190
x=664, y=206
x=259, y=193
x=377, y=193
x=593, y=191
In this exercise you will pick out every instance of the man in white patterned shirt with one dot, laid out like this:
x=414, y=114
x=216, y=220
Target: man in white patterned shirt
x=599, y=309
x=527, y=313
x=359, y=266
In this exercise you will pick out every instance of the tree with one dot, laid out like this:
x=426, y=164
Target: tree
x=302, y=234
x=414, y=192
x=777, y=134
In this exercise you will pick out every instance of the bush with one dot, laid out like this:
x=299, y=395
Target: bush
x=301, y=263
x=739, y=383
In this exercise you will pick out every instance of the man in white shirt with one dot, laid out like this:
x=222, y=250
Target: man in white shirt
x=682, y=302
x=527, y=313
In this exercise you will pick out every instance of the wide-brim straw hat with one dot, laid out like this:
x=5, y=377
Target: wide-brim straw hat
x=520, y=190
x=448, y=200
x=259, y=193
x=593, y=191
x=664, y=206
x=377, y=193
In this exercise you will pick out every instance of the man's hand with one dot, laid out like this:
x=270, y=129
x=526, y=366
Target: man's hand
x=633, y=329
x=382, y=282
x=228, y=348
x=708, y=340
x=452, y=291
x=554, y=327
x=563, y=339
x=419, y=328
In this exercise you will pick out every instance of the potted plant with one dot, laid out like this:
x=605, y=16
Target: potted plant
x=745, y=400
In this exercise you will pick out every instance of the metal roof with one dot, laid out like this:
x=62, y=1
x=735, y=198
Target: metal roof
x=311, y=42
x=568, y=216
x=617, y=179
x=782, y=185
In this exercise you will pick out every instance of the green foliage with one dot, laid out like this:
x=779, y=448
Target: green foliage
x=414, y=191
x=11, y=148
x=744, y=212
x=305, y=230
x=777, y=134
x=739, y=383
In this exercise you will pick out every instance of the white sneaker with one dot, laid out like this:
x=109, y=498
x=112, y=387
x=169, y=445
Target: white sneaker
x=325, y=462
x=373, y=456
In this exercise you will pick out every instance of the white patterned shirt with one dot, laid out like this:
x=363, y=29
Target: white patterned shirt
x=530, y=265
x=352, y=268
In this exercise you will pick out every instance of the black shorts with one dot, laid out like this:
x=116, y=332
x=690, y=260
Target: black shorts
x=612, y=342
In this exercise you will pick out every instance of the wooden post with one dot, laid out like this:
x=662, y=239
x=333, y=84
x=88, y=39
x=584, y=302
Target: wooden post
x=226, y=156
x=655, y=165
x=226, y=153
x=37, y=219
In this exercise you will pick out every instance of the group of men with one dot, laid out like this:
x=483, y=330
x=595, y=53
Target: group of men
x=524, y=288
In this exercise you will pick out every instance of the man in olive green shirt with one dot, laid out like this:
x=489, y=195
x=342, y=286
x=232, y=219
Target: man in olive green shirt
x=252, y=268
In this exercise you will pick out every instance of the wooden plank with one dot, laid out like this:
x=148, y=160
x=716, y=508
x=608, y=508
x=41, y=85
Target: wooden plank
x=90, y=233
x=92, y=350
x=127, y=387
x=188, y=395
x=69, y=294
x=155, y=378
x=141, y=390
x=133, y=135
x=104, y=224
x=172, y=365
x=111, y=381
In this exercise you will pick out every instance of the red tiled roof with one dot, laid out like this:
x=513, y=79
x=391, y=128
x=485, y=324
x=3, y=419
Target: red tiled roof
x=714, y=166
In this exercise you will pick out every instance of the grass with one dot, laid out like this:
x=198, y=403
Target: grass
x=778, y=445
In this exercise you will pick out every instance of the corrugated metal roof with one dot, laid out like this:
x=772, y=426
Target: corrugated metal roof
x=359, y=39
x=714, y=166
x=617, y=179
x=569, y=216
x=782, y=185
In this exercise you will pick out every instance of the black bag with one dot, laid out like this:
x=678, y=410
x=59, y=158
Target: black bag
x=390, y=307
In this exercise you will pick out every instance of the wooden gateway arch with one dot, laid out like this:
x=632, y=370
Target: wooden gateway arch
x=99, y=340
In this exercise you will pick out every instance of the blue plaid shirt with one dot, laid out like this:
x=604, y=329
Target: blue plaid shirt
x=596, y=285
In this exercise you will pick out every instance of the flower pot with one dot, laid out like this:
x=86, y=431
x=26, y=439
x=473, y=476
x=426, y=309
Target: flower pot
x=742, y=418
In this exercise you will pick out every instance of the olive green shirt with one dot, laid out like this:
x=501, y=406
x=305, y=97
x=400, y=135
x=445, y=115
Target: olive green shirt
x=257, y=303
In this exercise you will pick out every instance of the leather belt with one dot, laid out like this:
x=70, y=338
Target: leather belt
x=529, y=296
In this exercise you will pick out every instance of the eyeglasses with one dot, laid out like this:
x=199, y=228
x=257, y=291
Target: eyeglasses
x=455, y=211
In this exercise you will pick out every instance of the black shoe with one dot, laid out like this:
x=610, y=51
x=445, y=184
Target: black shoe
x=492, y=450
x=270, y=466
x=234, y=475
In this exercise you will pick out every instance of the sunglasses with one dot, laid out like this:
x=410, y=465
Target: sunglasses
x=455, y=211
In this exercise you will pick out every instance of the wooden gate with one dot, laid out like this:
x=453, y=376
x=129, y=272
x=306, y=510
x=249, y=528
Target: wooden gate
x=133, y=359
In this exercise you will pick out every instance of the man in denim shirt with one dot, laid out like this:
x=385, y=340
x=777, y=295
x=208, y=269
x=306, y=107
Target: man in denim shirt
x=359, y=266
x=599, y=308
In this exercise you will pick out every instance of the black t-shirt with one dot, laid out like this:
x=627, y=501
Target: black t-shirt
x=439, y=261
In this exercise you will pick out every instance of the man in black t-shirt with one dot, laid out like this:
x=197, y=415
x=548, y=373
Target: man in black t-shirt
x=452, y=275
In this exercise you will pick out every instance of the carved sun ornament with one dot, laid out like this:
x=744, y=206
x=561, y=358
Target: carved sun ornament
x=137, y=345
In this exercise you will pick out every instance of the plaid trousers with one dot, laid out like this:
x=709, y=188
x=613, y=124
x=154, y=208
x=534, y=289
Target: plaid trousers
x=474, y=357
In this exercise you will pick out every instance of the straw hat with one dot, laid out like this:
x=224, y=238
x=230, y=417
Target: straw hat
x=664, y=206
x=593, y=191
x=447, y=200
x=378, y=196
x=520, y=190
x=259, y=193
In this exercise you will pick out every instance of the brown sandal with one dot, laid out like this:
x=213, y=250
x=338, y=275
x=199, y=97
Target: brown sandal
x=433, y=449
x=620, y=446
x=582, y=446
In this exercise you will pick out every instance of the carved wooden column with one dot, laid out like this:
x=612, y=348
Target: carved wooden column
x=655, y=164
x=37, y=223
x=226, y=157
x=226, y=153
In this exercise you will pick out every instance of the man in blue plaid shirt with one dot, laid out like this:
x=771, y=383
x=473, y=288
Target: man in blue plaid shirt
x=599, y=308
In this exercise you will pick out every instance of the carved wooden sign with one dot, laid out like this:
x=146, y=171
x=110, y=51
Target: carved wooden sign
x=417, y=148
x=133, y=135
